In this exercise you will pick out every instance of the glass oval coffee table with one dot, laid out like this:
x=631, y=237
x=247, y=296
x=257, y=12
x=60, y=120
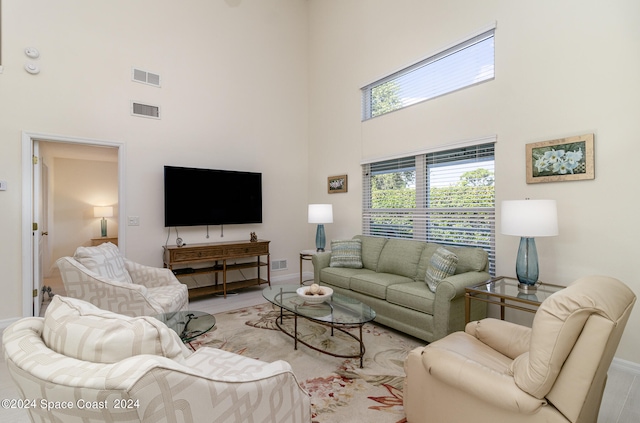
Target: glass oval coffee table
x=338, y=312
x=188, y=324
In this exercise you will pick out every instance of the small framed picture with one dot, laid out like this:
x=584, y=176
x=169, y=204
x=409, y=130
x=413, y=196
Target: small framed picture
x=565, y=159
x=336, y=184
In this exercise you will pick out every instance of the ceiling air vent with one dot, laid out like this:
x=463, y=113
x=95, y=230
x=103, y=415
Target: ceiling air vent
x=145, y=110
x=139, y=75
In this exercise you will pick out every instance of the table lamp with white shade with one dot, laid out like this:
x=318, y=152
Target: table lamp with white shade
x=320, y=214
x=103, y=212
x=529, y=219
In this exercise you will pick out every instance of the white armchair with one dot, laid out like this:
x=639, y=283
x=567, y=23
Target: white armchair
x=500, y=372
x=101, y=276
x=83, y=364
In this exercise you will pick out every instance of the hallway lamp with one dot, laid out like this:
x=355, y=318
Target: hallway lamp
x=320, y=214
x=529, y=219
x=103, y=212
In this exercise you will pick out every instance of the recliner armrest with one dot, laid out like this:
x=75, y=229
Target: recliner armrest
x=507, y=338
x=474, y=378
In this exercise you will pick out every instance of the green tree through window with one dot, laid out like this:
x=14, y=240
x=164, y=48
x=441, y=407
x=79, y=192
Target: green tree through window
x=444, y=197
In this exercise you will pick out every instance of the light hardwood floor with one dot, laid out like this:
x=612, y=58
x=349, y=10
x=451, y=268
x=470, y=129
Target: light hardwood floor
x=620, y=403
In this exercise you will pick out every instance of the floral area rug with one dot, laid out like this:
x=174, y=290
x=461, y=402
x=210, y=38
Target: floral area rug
x=340, y=390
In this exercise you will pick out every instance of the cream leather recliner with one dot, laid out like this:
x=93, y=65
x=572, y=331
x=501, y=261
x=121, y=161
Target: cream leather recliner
x=83, y=364
x=500, y=372
x=102, y=277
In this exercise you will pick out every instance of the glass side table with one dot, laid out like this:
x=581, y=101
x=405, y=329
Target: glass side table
x=504, y=292
x=188, y=324
x=307, y=255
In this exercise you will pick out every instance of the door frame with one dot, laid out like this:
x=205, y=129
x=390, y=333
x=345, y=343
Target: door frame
x=28, y=138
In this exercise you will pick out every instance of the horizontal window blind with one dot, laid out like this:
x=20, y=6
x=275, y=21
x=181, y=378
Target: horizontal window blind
x=447, y=197
x=463, y=65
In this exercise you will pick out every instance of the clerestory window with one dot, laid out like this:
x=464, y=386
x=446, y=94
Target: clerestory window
x=462, y=65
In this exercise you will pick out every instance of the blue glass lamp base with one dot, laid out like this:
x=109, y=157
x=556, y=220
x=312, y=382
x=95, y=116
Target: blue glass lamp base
x=527, y=264
x=321, y=239
x=103, y=227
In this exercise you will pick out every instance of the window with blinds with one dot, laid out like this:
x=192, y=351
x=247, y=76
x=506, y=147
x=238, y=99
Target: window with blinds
x=465, y=64
x=447, y=197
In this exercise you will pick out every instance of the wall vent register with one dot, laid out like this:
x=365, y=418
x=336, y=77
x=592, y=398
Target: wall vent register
x=145, y=110
x=145, y=77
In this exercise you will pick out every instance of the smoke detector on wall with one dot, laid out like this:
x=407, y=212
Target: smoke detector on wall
x=32, y=68
x=32, y=52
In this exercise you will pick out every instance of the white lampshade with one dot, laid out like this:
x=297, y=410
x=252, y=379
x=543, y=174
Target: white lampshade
x=530, y=218
x=320, y=213
x=103, y=211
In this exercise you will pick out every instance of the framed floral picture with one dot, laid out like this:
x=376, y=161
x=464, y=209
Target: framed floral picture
x=565, y=159
x=337, y=184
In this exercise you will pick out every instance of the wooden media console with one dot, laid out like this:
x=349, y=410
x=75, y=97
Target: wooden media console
x=218, y=254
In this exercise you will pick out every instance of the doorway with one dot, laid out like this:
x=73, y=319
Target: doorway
x=35, y=232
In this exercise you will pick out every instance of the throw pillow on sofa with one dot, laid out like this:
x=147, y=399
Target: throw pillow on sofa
x=442, y=265
x=346, y=253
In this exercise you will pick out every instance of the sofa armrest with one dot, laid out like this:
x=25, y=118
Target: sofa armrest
x=453, y=286
x=126, y=298
x=224, y=366
x=448, y=306
x=320, y=261
x=79, y=280
x=507, y=338
x=214, y=382
x=151, y=277
x=473, y=378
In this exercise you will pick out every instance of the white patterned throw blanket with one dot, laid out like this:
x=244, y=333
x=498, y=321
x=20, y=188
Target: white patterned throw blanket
x=340, y=390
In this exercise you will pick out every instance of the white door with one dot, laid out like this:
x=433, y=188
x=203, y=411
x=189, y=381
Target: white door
x=37, y=233
x=45, y=251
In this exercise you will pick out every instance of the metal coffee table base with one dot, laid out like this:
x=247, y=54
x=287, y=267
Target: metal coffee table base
x=341, y=328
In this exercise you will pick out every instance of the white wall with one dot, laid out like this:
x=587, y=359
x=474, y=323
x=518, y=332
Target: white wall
x=233, y=96
x=78, y=186
x=562, y=68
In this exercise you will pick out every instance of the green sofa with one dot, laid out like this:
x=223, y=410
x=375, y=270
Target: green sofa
x=392, y=282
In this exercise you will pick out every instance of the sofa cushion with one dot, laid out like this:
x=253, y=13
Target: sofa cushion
x=105, y=260
x=375, y=284
x=428, y=251
x=400, y=257
x=340, y=276
x=441, y=265
x=470, y=259
x=414, y=295
x=346, y=253
x=75, y=328
x=371, y=249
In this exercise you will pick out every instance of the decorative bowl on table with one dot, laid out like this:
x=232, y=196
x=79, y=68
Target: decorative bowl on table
x=315, y=295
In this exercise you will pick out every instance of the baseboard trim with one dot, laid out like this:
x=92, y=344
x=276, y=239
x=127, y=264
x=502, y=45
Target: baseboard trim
x=626, y=366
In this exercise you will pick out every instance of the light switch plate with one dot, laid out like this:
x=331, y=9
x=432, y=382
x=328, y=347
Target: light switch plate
x=133, y=221
x=3, y=185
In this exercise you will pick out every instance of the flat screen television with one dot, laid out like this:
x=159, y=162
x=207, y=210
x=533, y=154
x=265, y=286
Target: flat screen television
x=199, y=197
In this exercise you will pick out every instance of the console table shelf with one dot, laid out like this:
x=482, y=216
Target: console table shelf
x=180, y=260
